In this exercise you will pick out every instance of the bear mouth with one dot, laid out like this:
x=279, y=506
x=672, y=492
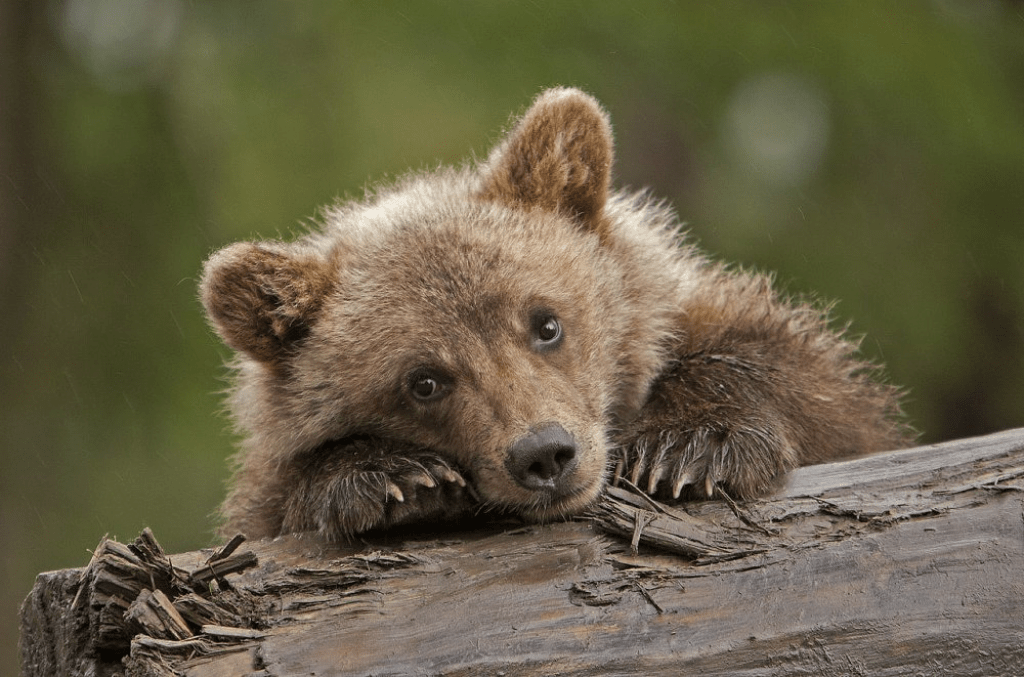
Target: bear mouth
x=560, y=510
x=544, y=505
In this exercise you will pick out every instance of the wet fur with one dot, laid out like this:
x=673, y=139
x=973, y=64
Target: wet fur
x=675, y=372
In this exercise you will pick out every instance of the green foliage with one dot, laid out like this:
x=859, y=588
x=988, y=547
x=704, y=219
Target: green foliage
x=869, y=153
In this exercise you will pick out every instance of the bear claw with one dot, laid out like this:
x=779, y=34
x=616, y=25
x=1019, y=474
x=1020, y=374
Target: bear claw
x=682, y=480
x=655, y=478
x=424, y=480
x=391, y=489
x=449, y=475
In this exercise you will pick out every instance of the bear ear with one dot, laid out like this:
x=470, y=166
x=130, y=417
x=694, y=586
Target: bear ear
x=261, y=298
x=558, y=157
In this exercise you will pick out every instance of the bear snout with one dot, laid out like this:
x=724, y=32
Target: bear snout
x=543, y=459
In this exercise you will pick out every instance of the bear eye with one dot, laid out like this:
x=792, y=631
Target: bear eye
x=426, y=386
x=547, y=331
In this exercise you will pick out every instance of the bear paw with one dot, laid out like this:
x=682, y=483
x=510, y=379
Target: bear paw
x=352, y=493
x=412, y=489
x=742, y=463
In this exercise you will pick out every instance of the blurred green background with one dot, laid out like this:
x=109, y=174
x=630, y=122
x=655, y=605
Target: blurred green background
x=868, y=152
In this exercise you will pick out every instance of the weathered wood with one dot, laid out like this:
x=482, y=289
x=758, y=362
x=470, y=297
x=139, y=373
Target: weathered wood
x=901, y=563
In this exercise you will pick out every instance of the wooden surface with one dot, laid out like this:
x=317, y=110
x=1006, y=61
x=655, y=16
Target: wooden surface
x=910, y=562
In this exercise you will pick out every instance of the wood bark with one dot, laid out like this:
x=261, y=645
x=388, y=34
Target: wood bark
x=909, y=562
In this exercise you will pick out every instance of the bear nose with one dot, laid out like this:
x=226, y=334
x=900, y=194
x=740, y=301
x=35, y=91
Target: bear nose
x=542, y=458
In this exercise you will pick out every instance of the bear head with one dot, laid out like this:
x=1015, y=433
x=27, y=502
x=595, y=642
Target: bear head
x=494, y=315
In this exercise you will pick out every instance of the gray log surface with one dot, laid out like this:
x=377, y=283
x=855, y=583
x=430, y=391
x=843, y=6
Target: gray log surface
x=909, y=562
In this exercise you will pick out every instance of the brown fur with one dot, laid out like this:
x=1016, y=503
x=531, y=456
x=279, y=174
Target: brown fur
x=508, y=336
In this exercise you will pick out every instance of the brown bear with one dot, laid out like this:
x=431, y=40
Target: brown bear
x=511, y=336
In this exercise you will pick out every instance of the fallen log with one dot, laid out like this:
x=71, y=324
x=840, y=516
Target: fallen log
x=900, y=563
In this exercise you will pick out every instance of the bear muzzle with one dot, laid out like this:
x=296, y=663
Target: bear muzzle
x=544, y=459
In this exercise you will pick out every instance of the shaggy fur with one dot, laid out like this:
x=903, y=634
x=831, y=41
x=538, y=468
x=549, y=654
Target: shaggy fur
x=510, y=336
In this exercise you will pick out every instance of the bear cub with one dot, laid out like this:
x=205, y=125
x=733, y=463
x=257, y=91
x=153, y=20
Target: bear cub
x=512, y=336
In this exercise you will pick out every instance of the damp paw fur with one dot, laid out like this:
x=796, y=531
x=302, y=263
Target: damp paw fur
x=353, y=490
x=672, y=465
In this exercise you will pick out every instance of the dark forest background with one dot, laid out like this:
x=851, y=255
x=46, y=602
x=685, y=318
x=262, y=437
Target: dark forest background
x=868, y=152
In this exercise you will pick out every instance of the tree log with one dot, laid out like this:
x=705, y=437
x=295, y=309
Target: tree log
x=910, y=562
